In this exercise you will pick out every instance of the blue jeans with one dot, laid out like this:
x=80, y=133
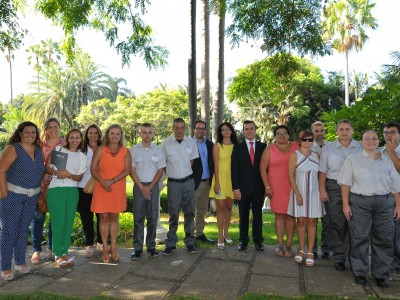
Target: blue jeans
x=37, y=231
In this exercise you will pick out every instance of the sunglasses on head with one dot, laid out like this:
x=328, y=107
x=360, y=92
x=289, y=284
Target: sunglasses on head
x=307, y=139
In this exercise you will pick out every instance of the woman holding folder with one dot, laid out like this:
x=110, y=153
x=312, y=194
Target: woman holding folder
x=62, y=196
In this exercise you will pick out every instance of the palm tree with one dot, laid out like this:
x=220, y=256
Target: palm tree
x=44, y=53
x=9, y=42
x=392, y=71
x=89, y=83
x=62, y=91
x=205, y=68
x=345, y=23
x=218, y=103
x=53, y=98
x=192, y=90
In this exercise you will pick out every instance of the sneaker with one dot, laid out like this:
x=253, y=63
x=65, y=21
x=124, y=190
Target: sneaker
x=135, y=254
x=152, y=252
x=168, y=250
x=191, y=249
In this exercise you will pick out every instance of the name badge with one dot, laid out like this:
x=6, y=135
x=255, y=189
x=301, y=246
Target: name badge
x=154, y=158
x=189, y=149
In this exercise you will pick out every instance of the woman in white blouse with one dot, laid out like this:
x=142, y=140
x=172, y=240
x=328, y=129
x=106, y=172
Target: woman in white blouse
x=62, y=195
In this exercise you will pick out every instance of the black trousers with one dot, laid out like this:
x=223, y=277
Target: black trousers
x=85, y=201
x=255, y=201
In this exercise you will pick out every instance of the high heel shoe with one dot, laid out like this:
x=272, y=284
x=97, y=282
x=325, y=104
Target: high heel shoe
x=310, y=260
x=104, y=257
x=22, y=268
x=114, y=255
x=221, y=246
x=299, y=257
x=228, y=241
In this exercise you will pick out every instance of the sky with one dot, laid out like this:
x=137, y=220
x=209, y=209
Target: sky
x=170, y=20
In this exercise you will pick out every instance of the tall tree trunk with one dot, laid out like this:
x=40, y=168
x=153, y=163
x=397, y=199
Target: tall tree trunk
x=346, y=80
x=11, y=79
x=218, y=109
x=205, y=68
x=192, y=93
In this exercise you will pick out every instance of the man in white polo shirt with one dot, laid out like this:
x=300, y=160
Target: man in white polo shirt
x=180, y=152
x=148, y=165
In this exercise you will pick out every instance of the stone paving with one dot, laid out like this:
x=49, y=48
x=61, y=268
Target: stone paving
x=208, y=274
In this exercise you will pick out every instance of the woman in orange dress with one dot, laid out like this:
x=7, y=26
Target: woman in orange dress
x=275, y=176
x=110, y=165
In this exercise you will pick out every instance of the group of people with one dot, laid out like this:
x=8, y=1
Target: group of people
x=352, y=186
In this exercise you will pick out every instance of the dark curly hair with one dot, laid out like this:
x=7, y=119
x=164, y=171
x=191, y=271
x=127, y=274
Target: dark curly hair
x=234, y=138
x=16, y=136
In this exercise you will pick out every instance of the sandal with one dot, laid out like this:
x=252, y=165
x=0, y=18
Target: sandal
x=104, y=257
x=8, y=276
x=288, y=251
x=89, y=251
x=279, y=251
x=99, y=247
x=310, y=261
x=61, y=262
x=114, y=255
x=70, y=260
x=35, y=259
x=299, y=258
x=24, y=269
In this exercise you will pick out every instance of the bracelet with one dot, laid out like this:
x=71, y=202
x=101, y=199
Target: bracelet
x=267, y=187
x=113, y=180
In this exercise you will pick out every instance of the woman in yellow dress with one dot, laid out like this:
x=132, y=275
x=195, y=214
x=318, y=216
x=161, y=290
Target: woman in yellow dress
x=221, y=187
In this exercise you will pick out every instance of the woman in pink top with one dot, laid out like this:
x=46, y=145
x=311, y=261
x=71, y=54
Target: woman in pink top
x=275, y=176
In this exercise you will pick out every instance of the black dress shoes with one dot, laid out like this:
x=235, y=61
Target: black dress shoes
x=340, y=266
x=203, y=238
x=242, y=246
x=259, y=247
x=382, y=282
x=362, y=280
x=136, y=254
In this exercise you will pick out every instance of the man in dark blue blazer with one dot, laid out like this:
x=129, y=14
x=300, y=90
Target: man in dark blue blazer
x=202, y=172
x=247, y=185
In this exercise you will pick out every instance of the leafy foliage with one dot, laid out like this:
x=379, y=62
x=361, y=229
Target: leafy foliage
x=282, y=89
x=61, y=90
x=106, y=16
x=379, y=106
x=11, y=33
x=283, y=25
x=158, y=107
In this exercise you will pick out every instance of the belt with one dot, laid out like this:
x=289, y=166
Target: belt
x=205, y=179
x=181, y=180
x=20, y=190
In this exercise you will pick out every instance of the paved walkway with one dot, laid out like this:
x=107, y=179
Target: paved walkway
x=208, y=274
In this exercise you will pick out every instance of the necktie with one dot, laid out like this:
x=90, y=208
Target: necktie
x=252, y=153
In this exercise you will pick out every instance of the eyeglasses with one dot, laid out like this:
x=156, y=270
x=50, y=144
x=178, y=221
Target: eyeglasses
x=225, y=129
x=368, y=139
x=304, y=139
x=200, y=128
x=390, y=132
x=282, y=133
